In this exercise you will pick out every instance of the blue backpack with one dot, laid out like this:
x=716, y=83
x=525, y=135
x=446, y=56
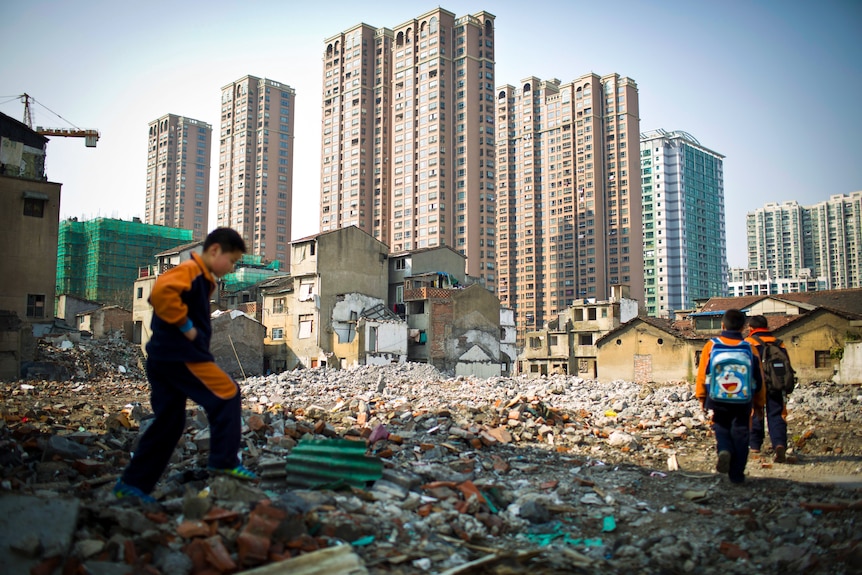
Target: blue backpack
x=730, y=369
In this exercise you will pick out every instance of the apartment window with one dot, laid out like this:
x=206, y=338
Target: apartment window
x=821, y=359
x=34, y=204
x=277, y=333
x=35, y=305
x=278, y=305
x=306, y=326
x=585, y=339
x=140, y=293
x=401, y=264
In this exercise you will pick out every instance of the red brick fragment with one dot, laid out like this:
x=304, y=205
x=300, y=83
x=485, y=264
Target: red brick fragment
x=733, y=551
x=217, y=555
x=189, y=529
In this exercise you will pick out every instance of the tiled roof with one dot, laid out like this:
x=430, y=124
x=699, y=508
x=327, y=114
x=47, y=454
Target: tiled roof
x=846, y=300
x=726, y=303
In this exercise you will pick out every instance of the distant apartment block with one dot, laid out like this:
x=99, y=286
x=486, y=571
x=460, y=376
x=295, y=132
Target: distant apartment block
x=684, y=237
x=825, y=238
x=746, y=282
x=255, y=166
x=408, y=149
x=178, y=174
x=569, y=204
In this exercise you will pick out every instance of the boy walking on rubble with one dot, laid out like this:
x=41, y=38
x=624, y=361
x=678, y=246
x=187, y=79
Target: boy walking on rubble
x=180, y=366
x=729, y=382
x=779, y=380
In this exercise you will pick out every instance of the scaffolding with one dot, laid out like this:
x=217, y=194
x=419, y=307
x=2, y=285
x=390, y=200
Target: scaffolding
x=250, y=270
x=99, y=259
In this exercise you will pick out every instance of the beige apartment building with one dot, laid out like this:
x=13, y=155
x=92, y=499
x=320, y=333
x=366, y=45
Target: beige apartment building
x=569, y=194
x=824, y=239
x=178, y=174
x=255, y=166
x=408, y=149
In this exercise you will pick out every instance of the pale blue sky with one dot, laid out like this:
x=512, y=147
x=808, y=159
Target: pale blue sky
x=772, y=85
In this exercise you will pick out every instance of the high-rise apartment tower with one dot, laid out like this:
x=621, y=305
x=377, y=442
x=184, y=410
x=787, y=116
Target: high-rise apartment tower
x=408, y=135
x=255, y=180
x=825, y=239
x=684, y=237
x=178, y=174
x=569, y=194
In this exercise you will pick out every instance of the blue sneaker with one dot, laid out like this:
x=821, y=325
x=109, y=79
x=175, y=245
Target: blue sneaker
x=239, y=472
x=125, y=491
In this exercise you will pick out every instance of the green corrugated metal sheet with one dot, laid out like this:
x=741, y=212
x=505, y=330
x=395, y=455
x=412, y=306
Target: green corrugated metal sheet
x=315, y=463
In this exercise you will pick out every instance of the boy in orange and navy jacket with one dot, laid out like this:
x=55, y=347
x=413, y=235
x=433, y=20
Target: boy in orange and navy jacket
x=776, y=406
x=180, y=366
x=730, y=422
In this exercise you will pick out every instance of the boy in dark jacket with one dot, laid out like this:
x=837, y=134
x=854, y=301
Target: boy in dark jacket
x=180, y=366
x=776, y=406
x=730, y=421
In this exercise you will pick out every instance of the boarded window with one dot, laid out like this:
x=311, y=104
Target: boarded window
x=306, y=326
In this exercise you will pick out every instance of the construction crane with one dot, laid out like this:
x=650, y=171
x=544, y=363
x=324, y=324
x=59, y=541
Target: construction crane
x=90, y=136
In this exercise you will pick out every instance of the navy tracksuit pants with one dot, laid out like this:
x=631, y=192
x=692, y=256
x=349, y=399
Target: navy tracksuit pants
x=775, y=418
x=172, y=384
x=731, y=426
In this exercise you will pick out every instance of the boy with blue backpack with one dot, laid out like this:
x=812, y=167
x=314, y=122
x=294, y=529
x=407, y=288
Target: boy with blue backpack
x=730, y=383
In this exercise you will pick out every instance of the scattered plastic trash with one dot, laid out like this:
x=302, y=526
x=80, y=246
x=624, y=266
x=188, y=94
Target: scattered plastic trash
x=696, y=495
x=610, y=413
x=609, y=524
x=363, y=541
x=657, y=474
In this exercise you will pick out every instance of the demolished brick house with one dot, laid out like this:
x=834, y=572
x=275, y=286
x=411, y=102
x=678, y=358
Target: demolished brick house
x=325, y=270
x=568, y=344
x=29, y=228
x=104, y=321
x=347, y=302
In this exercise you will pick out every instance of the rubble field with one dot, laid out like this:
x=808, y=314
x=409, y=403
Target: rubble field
x=404, y=470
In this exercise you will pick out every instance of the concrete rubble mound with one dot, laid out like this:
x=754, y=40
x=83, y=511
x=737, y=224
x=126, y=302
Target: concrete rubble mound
x=455, y=475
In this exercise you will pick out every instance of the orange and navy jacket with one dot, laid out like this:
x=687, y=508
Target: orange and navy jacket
x=702, y=392
x=182, y=295
x=763, y=334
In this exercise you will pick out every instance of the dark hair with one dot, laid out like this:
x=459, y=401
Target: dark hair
x=757, y=322
x=733, y=320
x=227, y=238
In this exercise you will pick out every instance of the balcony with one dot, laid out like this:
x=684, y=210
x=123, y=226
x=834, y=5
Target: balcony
x=426, y=293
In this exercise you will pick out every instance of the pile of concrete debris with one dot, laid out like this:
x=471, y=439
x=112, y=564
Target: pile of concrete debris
x=400, y=469
x=73, y=357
